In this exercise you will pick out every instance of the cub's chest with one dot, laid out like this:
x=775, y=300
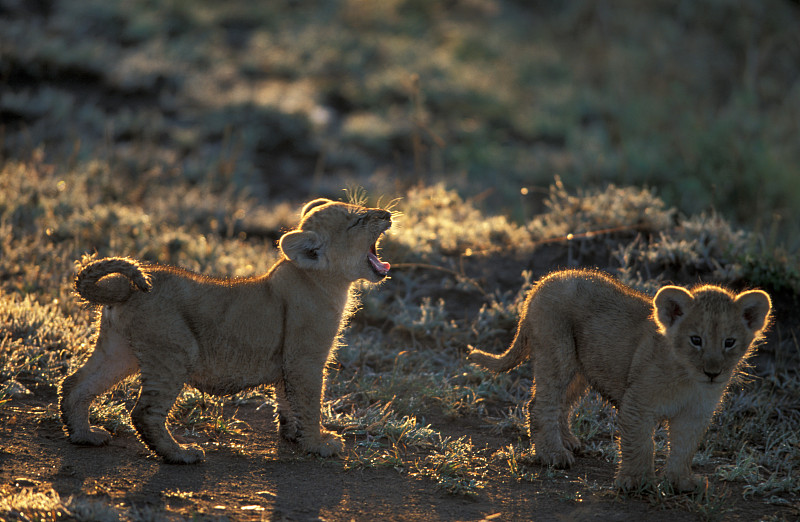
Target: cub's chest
x=688, y=399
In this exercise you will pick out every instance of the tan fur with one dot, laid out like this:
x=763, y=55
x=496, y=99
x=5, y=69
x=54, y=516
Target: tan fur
x=660, y=359
x=225, y=335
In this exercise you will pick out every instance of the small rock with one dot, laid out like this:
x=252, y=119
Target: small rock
x=17, y=390
x=23, y=482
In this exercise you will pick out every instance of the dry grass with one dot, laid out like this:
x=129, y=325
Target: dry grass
x=183, y=148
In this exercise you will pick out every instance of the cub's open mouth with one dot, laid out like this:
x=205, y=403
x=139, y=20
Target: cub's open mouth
x=378, y=266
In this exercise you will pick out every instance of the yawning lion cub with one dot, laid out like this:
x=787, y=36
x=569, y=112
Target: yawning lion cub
x=669, y=358
x=224, y=335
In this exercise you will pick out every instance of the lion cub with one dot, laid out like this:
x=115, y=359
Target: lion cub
x=666, y=359
x=224, y=335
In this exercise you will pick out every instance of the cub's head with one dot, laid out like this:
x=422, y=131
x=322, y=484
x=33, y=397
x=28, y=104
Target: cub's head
x=710, y=328
x=339, y=239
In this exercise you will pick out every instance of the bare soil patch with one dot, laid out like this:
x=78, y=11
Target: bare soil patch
x=255, y=476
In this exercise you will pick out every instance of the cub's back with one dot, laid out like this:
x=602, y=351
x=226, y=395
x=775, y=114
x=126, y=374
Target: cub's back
x=604, y=321
x=592, y=298
x=215, y=309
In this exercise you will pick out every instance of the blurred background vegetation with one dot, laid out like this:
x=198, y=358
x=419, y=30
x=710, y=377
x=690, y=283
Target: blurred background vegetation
x=287, y=99
x=657, y=140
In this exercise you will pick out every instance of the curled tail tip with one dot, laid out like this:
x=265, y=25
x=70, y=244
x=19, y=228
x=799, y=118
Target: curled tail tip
x=144, y=282
x=91, y=271
x=495, y=363
x=477, y=357
x=144, y=287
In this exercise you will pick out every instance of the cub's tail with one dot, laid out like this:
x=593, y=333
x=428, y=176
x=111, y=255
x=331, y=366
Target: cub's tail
x=113, y=290
x=516, y=354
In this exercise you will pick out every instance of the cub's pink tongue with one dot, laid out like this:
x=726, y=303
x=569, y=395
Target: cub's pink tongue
x=377, y=264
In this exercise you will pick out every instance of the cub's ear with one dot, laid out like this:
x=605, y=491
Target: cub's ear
x=755, y=306
x=305, y=248
x=312, y=204
x=671, y=303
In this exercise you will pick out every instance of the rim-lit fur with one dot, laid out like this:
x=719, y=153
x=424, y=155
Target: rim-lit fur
x=670, y=358
x=225, y=335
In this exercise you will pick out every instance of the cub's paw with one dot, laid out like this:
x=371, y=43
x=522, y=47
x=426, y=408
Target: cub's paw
x=559, y=459
x=633, y=482
x=190, y=454
x=328, y=444
x=690, y=482
x=571, y=443
x=91, y=437
x=288, y=429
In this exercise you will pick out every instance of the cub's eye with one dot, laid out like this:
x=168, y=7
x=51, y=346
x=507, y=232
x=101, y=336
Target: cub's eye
x=358, y=221
x=730, y=342
x=696, y=341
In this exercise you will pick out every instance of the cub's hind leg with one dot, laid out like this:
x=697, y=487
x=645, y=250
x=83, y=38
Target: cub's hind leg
x=575, y=391
x=149, y=417
x=164, y=365
x=548, y=409
x=110, y=362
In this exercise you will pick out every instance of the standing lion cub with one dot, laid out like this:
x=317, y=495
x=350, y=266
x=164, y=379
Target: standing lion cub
x=666, y=359
x=224, y=335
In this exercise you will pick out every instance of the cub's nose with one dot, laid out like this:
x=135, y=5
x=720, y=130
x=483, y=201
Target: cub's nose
x=711, y=375
x=383, y=214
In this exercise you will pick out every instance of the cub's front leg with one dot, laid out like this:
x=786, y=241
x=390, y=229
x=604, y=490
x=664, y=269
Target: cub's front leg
x=288, y=426
x=303, y=386
x=636, y=468
x=685, y=433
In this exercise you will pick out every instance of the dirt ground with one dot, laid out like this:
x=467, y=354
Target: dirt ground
x=254, y=476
